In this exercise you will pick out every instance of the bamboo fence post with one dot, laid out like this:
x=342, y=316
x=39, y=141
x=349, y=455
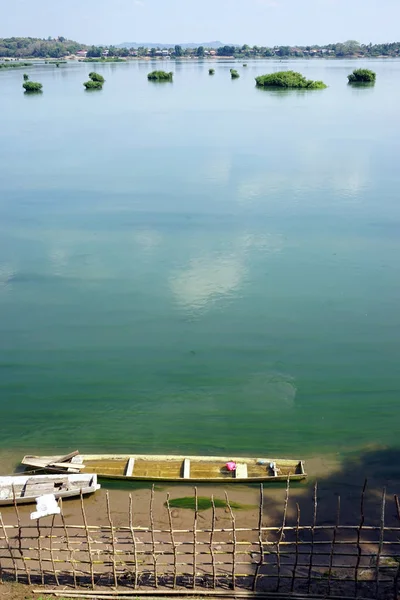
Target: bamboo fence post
x=359, y=549
x=172, y=539
x=153, y=540
x=28, y=575
x=133, y=539
x=381, y=536
x=214, y=572
x=333, y=546
x=88, y=541
x=51, y=551
x=9, y=547
x=234, y=541
x=296, y=560
x=281, y=535
x=196, y=510
x=39, y=548
x=312, y=538
x=260, y=540
x=70, y=550
x=114, y=557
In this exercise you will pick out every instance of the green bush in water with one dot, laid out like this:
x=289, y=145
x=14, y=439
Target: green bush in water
x=362, y=76
x=160, y=76
x=93, y=85
x=290, y=80
x=211, y=71
x=32, y=86
x=96, y=77
x=234, y=74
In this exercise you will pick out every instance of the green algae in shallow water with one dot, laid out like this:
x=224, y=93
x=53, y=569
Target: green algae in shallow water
x=203, y=503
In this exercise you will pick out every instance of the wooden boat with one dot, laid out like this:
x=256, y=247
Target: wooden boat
x=26, y=488
x=141, y=467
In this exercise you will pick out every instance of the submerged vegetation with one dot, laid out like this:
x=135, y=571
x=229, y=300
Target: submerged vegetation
x=290, y=80
x=32, y=86
x=362, y=76
x=102, y=59
x=160, y=76
x=211, y=71
x=14, y=65
x=234, y=74
x=204, y=503
x=95, y=82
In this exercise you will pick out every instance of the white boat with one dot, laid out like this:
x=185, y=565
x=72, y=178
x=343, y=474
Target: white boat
x=24, y=489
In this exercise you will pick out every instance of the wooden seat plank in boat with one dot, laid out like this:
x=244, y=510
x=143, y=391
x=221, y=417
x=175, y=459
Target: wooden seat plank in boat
x=186, y=469
x=129, y=467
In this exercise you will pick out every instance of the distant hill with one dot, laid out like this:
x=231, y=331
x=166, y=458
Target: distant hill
x=162, y=45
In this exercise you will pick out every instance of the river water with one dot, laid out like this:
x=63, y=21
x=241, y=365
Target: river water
x=202, y=266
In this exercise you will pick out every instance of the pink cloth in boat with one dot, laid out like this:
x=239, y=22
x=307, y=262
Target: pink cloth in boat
x=231, y=466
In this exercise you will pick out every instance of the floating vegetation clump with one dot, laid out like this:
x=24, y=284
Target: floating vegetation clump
x=234, y=74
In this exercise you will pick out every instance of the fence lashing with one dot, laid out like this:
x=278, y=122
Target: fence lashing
x=315, y=504
x=234, y=541
x=171, y=528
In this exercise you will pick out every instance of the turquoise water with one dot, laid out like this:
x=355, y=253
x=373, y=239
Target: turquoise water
x=199, y=266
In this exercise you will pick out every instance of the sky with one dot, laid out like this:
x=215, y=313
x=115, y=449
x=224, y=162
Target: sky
x=262, y=22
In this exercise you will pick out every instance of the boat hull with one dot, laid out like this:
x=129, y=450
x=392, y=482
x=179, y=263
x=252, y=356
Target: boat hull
x=183, y=469
x=20, y=489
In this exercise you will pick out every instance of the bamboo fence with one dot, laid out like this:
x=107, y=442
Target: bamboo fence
x=358, y=561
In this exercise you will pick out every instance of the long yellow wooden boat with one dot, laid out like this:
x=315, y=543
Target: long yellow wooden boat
x=202, y=469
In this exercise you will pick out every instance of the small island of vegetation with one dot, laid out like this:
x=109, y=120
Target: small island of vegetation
x=32, y=86
x=362, y=76
x=160, y=76
x=95, y=82
x=234, y=74
x=14, y=65
x=289, y=80
x=211, y=71
x=26, y=76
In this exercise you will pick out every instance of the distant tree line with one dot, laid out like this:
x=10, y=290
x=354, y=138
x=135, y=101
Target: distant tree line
x=60, y=46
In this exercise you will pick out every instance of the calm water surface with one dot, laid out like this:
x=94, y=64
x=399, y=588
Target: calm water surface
x=199, y=266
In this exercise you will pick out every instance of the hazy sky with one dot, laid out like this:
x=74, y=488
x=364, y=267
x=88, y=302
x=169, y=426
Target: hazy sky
x=263, y=22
